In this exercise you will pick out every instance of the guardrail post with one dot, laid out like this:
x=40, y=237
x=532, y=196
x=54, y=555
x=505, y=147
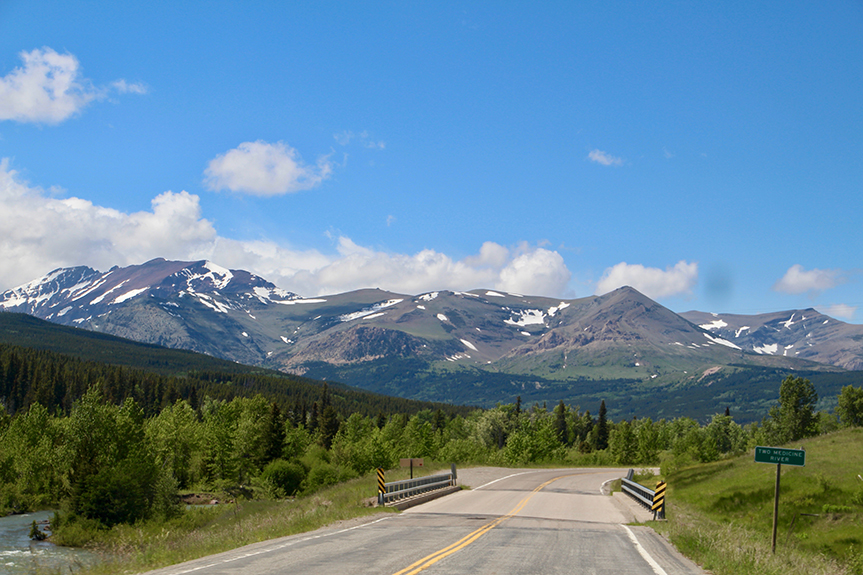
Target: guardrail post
x=658, y=507
x=454, y=476
x=382, y=488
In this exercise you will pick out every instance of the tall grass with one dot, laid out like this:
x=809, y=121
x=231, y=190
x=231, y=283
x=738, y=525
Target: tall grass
x=721, y=514
x=204, y=531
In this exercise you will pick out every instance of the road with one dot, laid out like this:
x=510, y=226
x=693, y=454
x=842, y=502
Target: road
x=539, y=521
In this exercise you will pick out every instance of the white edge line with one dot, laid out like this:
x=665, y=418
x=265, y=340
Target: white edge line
x=650, y=560
x=602, y=487
x=280, y=546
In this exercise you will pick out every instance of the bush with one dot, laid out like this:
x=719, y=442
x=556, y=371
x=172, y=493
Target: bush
x=123, y=494
x=324, y=474
x=283, y=478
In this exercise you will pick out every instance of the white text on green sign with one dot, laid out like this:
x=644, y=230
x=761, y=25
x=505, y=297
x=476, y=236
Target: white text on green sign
x=774, y=455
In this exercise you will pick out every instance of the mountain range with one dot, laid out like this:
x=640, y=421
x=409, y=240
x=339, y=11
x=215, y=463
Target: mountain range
x=479, y=346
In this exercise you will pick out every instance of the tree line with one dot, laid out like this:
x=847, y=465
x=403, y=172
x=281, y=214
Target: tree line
x=111, y=457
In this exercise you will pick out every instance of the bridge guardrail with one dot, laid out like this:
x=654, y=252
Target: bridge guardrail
x=648, y=498
x=397, y=490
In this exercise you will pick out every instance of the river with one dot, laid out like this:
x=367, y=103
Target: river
x=18, y=554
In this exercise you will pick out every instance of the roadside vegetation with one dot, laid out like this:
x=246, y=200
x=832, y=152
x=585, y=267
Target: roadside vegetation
x=117, y=469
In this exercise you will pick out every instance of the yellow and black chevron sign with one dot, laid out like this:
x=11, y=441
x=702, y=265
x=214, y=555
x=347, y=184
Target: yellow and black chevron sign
x=382, y=488
x=659, y=498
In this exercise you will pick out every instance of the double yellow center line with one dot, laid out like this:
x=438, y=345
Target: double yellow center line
x=430, y=560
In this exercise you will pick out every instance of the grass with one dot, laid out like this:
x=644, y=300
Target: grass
x=203, y=531
x=721, y=514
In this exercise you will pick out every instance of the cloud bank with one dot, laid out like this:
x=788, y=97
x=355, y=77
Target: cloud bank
x=652, y=282
x=72, y=231
x=264, y=169
x=49, y=88
x=797, y=280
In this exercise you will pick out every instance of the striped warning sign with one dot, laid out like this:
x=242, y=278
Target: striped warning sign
x=659, y=500
x=382, y=488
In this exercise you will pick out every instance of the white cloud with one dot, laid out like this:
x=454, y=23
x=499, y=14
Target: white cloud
x=797, y=280
x=344, y=138
x=263, y=169
x=124, y=87
x=604, y=158
x=652, y=282
x=39, y=233
x=535, y=271
x=840, y=310
x=49, y=88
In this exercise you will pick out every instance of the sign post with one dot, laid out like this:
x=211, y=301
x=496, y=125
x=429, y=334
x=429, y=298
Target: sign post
x=778, y=456
x=411, y=462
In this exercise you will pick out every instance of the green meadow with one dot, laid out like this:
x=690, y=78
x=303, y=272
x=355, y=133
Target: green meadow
x=721, y=513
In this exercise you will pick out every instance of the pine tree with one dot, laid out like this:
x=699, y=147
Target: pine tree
x=560, y=427
x=602, y=428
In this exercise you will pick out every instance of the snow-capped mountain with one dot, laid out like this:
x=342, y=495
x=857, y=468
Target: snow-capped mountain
x=156, y=302
x=806, y=334
x=382, y=336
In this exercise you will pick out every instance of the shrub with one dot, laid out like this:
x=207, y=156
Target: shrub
x=283, y=478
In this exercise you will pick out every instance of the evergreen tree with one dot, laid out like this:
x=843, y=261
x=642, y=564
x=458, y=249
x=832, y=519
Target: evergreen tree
x=602, y=428
x=275, y=434
x=560, y=426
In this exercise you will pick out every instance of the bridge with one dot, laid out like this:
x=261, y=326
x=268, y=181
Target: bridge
x=512, y=521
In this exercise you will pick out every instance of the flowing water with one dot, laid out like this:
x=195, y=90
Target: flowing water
x=19, y=555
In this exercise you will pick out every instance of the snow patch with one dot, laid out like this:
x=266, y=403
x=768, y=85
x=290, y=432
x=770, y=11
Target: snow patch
x=245, y=334
x=104, y=295
x=739, y=331
x=721, y=341
x=527, y=317
x=790, y=321
x=129, y=295
x=553, y=310
x=369, y=311
x=64, y=311
x=300, y=300
x=428, y=296
x=442, y=317
x=421, y=307
x=766, y=348
x=468, y=344
x=717, y=324
x=494, y=294
x=374, y=315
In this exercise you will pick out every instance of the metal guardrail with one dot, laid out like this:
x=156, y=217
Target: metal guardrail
x=647, y=498
x=398, y=490
x=640, y=493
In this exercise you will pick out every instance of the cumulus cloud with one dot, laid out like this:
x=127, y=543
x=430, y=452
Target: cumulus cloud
x=41, y=232
x=652, y=282
x=49, y=88
x=604, y=158
x=264, y=169
x=840, y=310
x=797, y=280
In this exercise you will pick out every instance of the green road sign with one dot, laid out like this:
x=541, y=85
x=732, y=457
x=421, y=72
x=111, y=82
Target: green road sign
x=778, y=455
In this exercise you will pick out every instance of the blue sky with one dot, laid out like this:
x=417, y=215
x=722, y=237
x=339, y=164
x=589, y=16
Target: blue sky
x=709, y=154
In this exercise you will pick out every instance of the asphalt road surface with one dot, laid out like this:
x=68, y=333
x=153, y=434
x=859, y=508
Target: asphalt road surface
x=527, y=521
